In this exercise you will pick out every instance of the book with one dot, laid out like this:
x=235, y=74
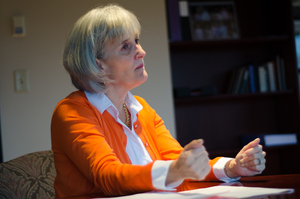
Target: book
x=232, y=80
x=280, y=67
x=267, y=76
x=263, y=79
x=174, y=20
x=245, y=82
x=239, y=81
x=185, y=20
x=271, y=75
x=240, y=76
x=236, y=79
x=252, y=78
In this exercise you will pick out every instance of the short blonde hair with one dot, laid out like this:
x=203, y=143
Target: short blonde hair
x=90, y=36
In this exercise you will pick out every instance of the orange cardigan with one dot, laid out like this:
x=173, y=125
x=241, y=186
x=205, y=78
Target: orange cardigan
x=89, y=149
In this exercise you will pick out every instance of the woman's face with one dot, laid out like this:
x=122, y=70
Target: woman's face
x=124, y=63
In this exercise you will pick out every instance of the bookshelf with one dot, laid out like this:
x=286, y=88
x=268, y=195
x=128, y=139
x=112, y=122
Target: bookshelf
x=265, y=31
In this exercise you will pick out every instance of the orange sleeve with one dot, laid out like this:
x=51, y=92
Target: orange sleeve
x=169, y=148
x=84, y=159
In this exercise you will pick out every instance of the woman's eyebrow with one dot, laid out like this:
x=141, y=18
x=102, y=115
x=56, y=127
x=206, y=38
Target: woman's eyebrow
x=117, y=44
x=124, y=41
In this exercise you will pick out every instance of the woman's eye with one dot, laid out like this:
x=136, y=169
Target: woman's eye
x=125, y=46
x=137, y=41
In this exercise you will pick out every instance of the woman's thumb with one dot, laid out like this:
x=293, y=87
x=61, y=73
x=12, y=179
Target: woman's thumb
x=194, y=144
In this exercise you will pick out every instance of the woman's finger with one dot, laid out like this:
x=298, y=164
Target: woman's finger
x=195, y=156
x=250, y=145
x=194, y=144
x=253, y=150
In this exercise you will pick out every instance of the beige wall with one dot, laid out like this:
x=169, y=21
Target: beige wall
x=25, y=117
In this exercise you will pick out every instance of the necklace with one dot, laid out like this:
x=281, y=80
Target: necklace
x=127, y=122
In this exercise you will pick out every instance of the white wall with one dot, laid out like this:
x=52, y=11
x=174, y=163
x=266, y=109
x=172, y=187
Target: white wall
x=26, y=117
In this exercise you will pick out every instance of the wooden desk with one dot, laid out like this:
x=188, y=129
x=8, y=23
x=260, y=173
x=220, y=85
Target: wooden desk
x=273, y=181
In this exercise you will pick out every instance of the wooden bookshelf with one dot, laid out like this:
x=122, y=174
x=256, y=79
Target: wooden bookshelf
x=179, y=46
x=228, y=97
x=266, y=31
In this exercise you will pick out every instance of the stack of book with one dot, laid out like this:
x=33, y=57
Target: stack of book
x=265, y=77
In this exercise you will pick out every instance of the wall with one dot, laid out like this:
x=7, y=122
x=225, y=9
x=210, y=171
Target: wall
x=25, y=117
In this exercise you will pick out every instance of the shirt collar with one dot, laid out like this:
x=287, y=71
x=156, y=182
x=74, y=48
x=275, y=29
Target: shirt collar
x=101, y=102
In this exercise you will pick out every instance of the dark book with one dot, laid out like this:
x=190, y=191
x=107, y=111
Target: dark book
x=263, y=79
x=236, y=78
x=245, y=82
x=240, y=77
x=272, y=76
x=279, y=73
x=174, y=20
x=232, y=80
x=185, y=20
x=252, y=79
x=282, y=66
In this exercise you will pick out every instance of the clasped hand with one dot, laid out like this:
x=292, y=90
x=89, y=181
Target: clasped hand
x=193, y=162
x=248, y=162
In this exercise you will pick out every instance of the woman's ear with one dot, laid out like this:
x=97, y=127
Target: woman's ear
x=99, y=64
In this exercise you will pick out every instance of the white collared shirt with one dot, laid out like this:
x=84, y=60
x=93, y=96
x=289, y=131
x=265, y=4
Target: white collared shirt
x=135, y=148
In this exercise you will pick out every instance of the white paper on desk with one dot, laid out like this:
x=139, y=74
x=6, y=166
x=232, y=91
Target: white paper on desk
x=221, y=191
x=240, y=191
x=171, y=195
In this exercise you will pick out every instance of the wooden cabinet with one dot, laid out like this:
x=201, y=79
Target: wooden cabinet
x=266, y=31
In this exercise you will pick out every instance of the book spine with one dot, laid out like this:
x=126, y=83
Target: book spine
x=252, y=78
x=185, y=21
x=239, y=80
x=279, y=73
x=244, y=82
x=174, y=20
x=232, y=80
x=271, y=74
x=237, y=73
x=282, y=65
x=262, y=73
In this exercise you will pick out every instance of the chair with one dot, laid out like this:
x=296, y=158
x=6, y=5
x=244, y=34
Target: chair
x=28, y=176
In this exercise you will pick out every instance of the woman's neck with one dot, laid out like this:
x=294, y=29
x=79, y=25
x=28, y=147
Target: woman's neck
x=118, y=99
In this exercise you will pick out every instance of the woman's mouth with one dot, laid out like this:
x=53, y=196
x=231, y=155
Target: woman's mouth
x=140, y=66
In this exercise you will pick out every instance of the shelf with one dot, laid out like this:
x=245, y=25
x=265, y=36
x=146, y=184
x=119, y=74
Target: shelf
x=194, y=45
x=222, y=118
x=218, y=98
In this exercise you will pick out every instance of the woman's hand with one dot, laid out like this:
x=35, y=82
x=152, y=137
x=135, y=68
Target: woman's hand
x=191, y=164
x=248, y=162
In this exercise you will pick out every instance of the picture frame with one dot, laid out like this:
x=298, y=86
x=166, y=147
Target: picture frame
x=213, y=21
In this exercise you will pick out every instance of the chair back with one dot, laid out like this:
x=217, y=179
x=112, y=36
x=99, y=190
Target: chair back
x=28, y=176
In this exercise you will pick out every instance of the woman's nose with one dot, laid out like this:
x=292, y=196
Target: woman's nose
x=140, y=53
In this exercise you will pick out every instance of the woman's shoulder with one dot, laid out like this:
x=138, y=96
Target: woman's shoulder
x=138, y=98
x=74, y=98
x=144, y=103
x=141, y=100
x=76, y=95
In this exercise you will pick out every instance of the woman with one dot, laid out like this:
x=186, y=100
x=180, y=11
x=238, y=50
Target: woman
x=107, y=141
